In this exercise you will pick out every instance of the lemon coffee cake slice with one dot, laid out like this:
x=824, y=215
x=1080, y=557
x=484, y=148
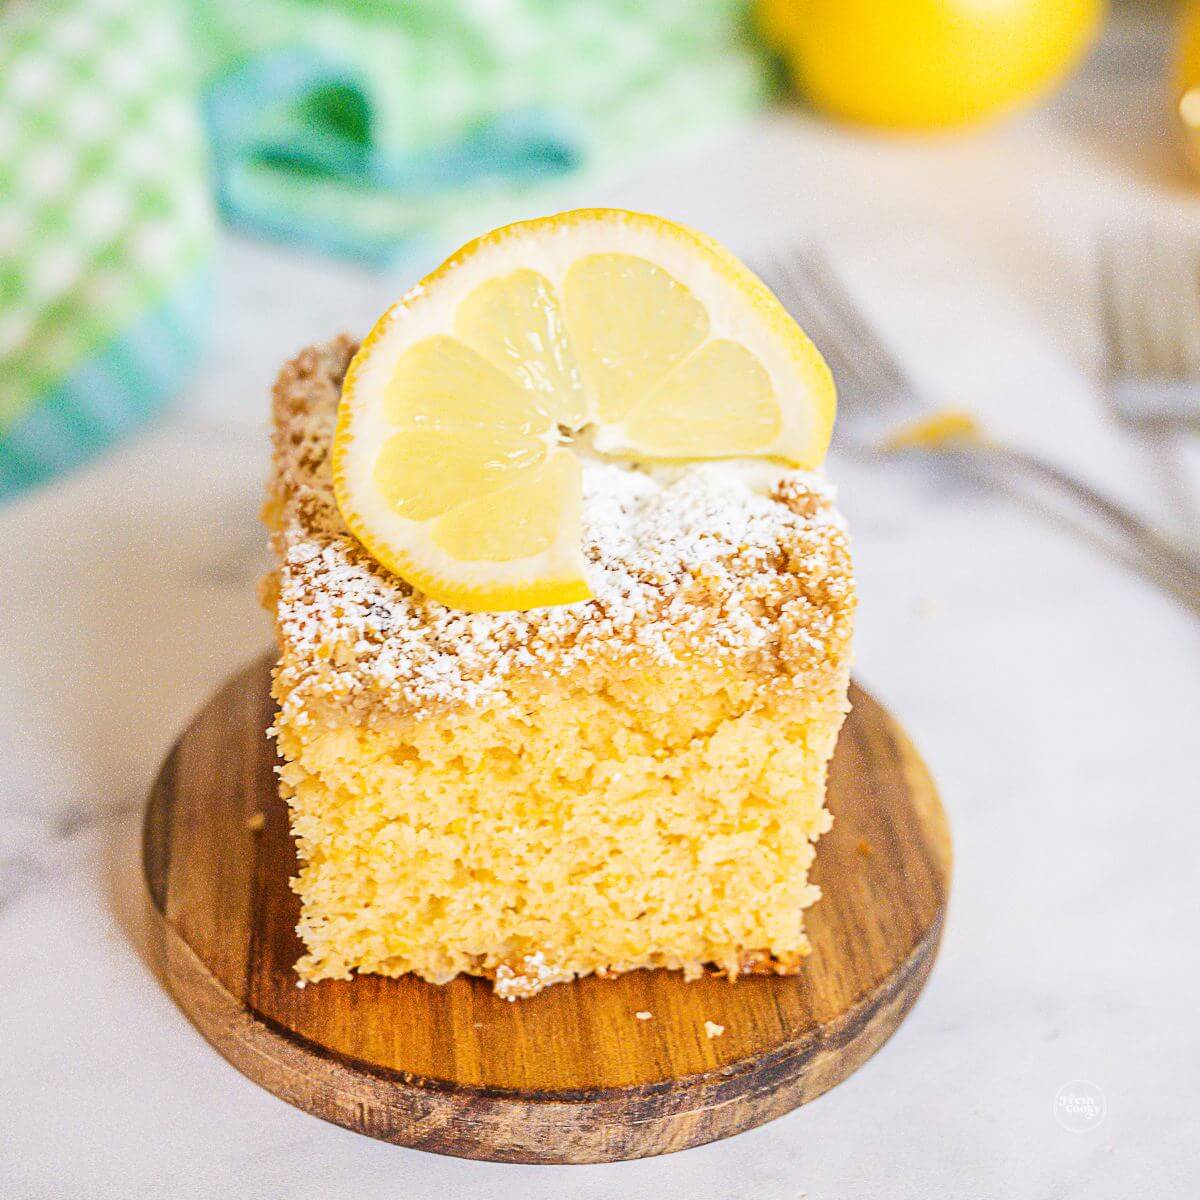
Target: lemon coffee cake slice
x=564, y=616
x=637, y=780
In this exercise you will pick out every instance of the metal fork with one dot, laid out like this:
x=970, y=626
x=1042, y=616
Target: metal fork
x=1149, y=290
x=876, y=396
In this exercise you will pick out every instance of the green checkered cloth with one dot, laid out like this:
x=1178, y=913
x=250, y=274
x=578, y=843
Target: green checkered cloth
x=380, y=127
x=105, y=224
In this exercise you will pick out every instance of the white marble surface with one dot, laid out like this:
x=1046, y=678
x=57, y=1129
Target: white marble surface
x=1055, y=694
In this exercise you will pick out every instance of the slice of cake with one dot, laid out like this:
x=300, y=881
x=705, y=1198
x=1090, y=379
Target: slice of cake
x=636, y=780
x=564, y=624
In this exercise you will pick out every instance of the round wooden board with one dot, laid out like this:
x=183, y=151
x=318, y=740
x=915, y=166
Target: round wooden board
x=570, y=1076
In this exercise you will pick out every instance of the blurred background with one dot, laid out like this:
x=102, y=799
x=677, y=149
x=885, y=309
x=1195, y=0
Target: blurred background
x=161, y=157
x=985, y=206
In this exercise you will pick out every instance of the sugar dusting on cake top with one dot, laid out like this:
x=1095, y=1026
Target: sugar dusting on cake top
x=720, y=558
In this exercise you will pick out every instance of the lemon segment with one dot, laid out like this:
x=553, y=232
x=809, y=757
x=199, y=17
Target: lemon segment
x=424, y=474
x=717, y=403
x=516, y=323
x=442, y=384
x=517, y=522
x=632, y=322
x=453, y=460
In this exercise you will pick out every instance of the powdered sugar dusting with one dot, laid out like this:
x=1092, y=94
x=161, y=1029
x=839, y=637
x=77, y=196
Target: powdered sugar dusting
x=713, y=559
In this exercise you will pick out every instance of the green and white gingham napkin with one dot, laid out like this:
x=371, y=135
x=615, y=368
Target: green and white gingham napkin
x=105, y=225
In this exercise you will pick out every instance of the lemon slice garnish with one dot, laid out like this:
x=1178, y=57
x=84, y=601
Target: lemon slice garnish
x=454, y=461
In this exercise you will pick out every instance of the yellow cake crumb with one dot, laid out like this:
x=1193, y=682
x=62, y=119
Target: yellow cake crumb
x=713, y=1030
x=644, y=1015
x=946, y=428
x=256, y=822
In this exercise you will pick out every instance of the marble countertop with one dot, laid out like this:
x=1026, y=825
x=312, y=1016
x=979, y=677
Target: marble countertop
x=1054, y=692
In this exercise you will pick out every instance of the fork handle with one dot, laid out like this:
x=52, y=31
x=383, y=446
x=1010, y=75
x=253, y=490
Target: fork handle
x=1158, y=550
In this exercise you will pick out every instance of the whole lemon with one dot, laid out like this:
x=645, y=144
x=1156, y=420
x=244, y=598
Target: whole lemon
x=923, y=64
x=1186, y=77
x=1187, y=48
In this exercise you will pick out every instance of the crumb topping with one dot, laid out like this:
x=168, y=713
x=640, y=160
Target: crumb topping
x=727, y=559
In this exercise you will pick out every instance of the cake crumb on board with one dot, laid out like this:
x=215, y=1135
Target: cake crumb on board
x=928, y=608
x=256, y=822
x=713, y=1030
x=643, y=1015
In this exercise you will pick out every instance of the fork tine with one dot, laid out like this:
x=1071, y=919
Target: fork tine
x=1167, y=306
x=784, y=280
x=1116, y=360
x=1155, y=310
x=1149, y=307
x=1148, y=291
x=1192, y=293
x=852, y=349
x=811, y=307
x=863, y=337
x=1178, y=265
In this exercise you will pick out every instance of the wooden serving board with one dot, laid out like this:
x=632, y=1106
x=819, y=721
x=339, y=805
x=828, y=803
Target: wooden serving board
x=571, y=1075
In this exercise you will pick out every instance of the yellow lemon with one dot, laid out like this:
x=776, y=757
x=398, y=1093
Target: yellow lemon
x=1186, y=80
x=464, y=415
x=925, y=64
x=1187, y=50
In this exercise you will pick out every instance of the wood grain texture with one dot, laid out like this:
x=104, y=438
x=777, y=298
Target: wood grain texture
x=571, y=1075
